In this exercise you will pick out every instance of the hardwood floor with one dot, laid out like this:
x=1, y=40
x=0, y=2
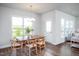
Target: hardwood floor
x=63, y=49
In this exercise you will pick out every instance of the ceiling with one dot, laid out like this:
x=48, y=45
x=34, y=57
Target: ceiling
x=70, y=8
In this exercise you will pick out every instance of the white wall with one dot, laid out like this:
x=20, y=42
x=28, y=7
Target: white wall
x=61, y=15
x=50, y=16
x=37, y=25
x=55, y=17
x=77, y=23
x=5, y=23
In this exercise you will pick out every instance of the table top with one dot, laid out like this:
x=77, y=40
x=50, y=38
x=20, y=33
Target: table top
x=26, y=38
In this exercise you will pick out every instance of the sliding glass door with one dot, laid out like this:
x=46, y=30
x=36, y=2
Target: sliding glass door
x=67, y=27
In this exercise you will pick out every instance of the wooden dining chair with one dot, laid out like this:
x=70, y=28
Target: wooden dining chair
x=15, y=45
x=41, y=44
x=32, y=45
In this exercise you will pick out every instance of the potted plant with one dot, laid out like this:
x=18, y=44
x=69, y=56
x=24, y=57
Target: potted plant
x=28, y=31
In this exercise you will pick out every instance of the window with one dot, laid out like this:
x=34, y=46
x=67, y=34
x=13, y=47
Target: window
x=48, y=26
x=20, y=24
x=17, y=26
x=28, y=23
x=62, y=24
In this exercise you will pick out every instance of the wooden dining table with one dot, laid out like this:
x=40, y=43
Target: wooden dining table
x=23, y=40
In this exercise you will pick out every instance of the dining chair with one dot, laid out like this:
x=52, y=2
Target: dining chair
x=41, y=44
x=32, y=45
x=15, y=45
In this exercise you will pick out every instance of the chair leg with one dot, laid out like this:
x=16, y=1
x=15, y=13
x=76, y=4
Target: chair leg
x=40, y=50
x=29, y=51
x=13, y=51
x=36, y=51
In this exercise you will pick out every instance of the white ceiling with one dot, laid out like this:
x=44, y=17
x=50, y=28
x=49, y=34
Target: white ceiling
x=70, y=8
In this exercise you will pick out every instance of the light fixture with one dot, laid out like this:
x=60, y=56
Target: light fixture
x=32, y=19
x=30, y=7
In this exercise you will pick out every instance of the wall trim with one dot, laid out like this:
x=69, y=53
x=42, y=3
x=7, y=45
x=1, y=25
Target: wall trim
x=54, y=44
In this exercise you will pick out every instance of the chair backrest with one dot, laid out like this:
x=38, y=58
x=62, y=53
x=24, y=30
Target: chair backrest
x=32, y=41
x=12, y=41
x=41, y=40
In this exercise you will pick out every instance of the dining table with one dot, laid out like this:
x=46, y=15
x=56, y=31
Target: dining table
x=23, y=40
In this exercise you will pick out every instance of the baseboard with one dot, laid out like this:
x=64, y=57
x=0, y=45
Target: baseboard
x=5, y=46
x=61, y=43
x=54, y=44
x=49, y=43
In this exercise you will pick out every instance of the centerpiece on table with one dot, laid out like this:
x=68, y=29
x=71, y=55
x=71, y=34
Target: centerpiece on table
x=29, y=30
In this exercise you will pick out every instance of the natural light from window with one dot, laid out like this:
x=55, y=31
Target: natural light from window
x=48, y=26
x=67, y=26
